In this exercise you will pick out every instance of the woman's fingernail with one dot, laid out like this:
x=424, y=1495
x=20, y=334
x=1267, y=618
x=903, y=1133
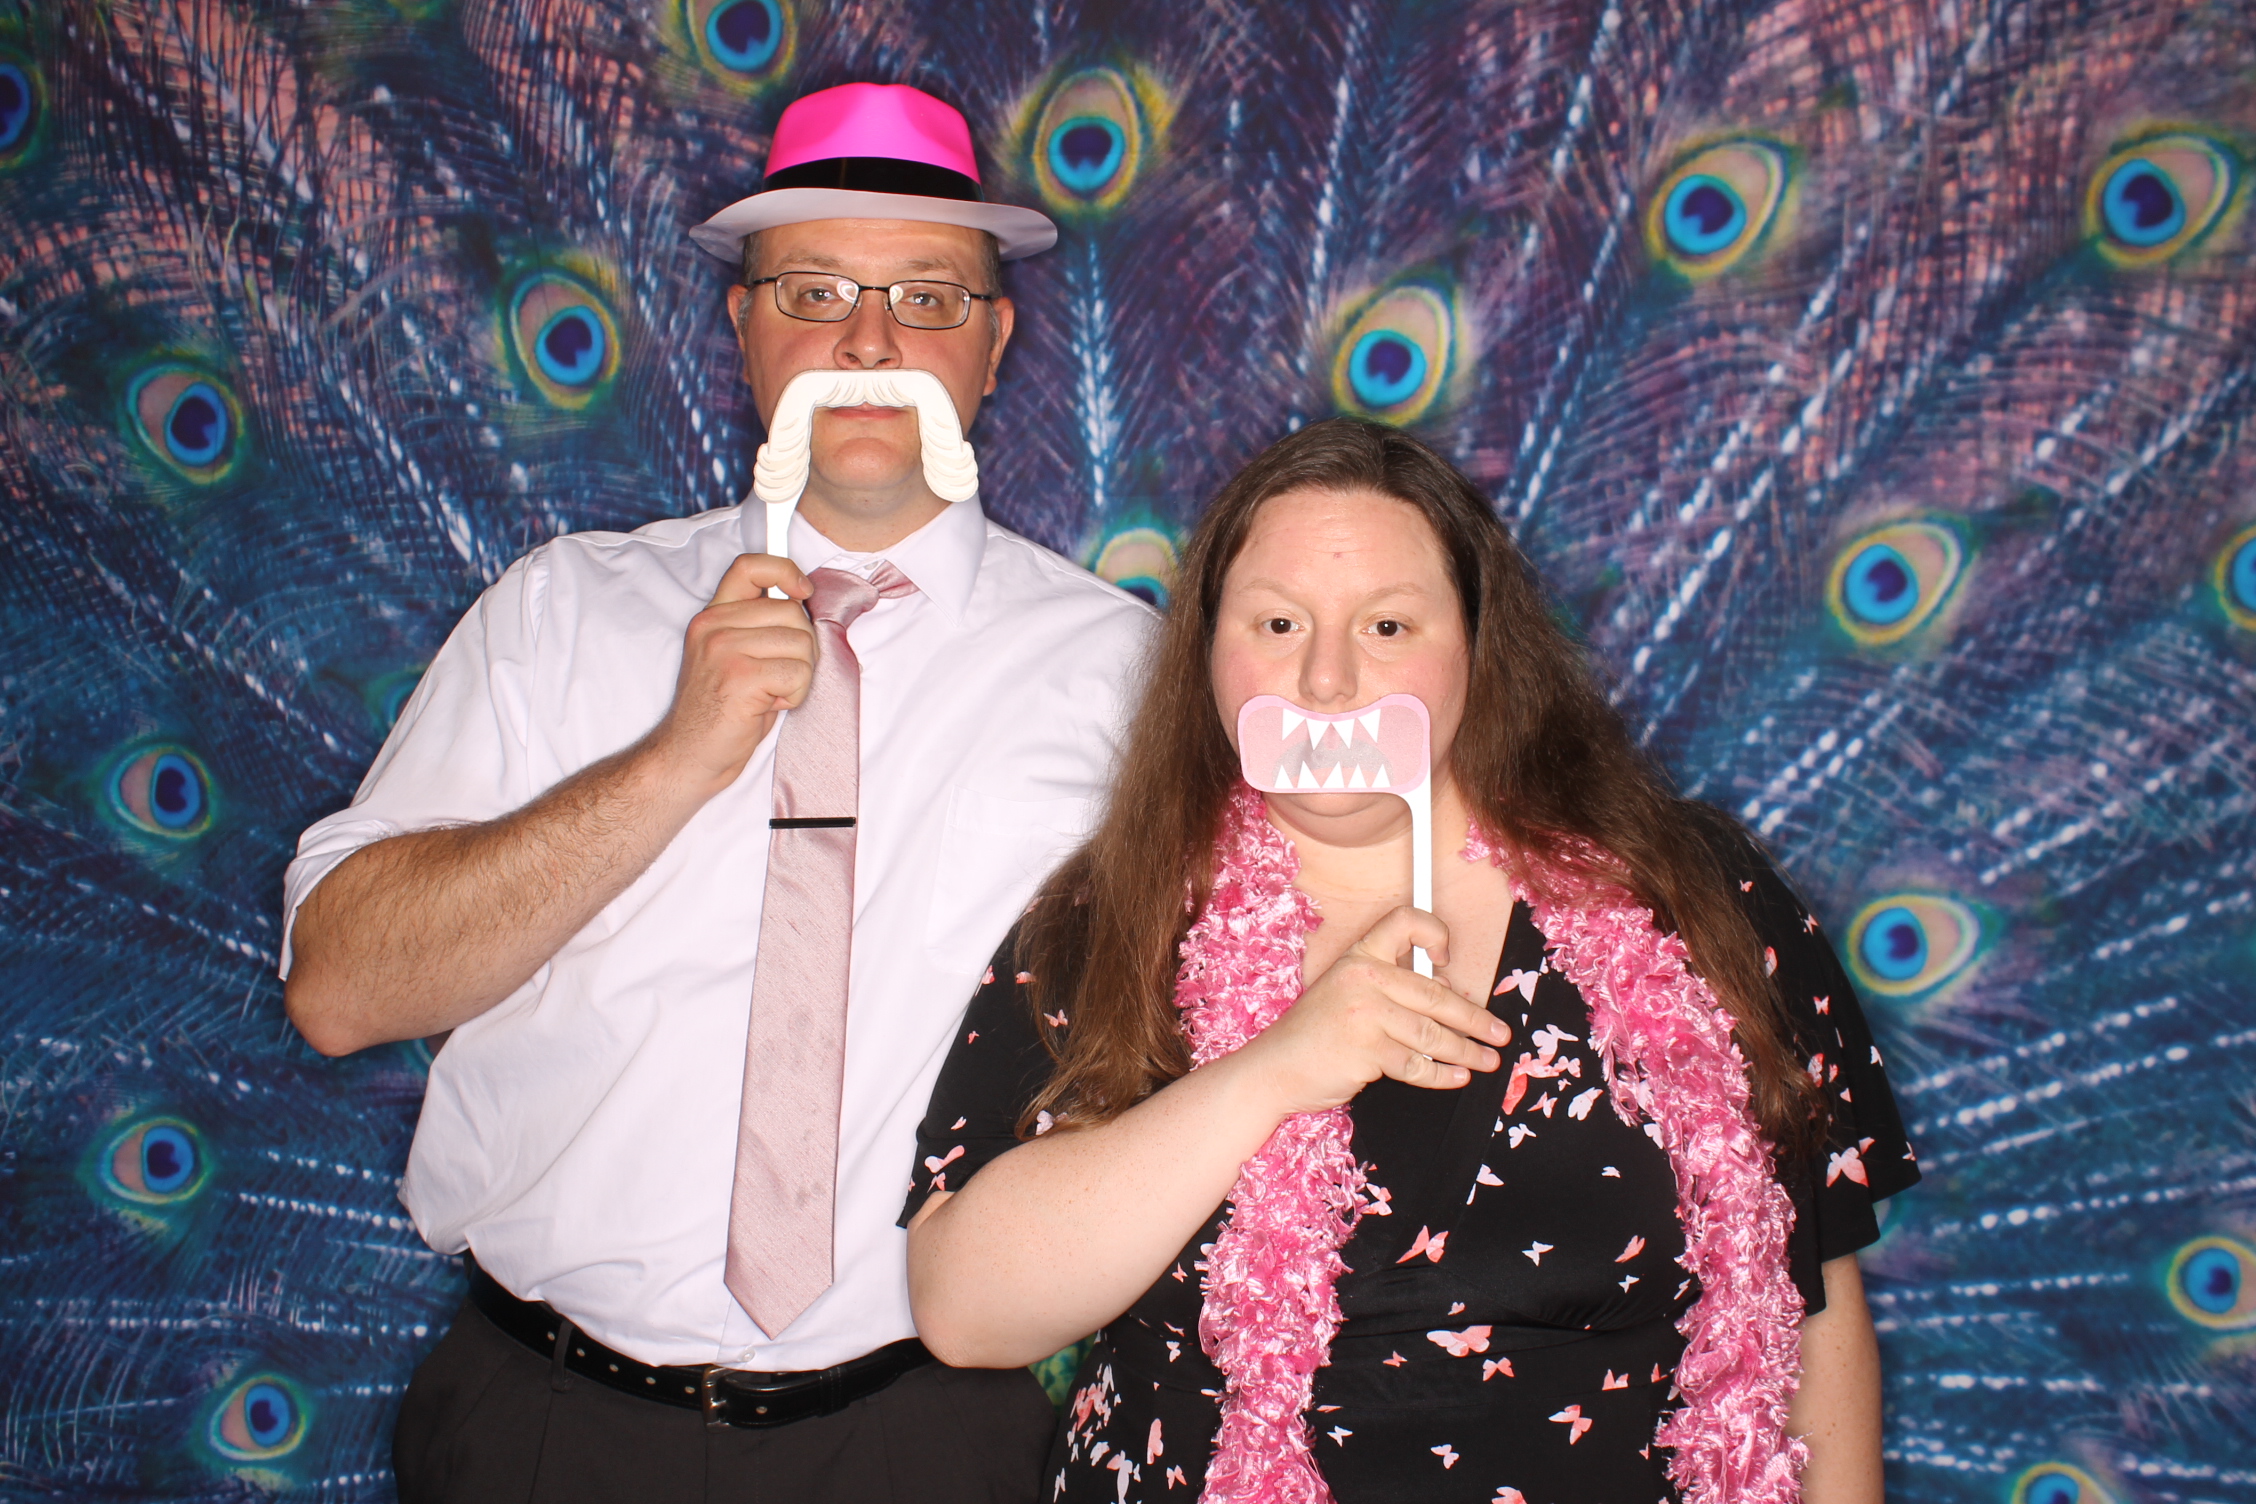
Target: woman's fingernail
x=1499, y=1031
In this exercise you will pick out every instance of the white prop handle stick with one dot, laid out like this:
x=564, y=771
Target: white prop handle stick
x=779, y=472
x=1385, y=747
x=1421, y=861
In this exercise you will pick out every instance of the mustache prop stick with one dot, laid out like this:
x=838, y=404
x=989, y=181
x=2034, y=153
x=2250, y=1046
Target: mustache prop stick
x=779, y=473
x=1385, y=747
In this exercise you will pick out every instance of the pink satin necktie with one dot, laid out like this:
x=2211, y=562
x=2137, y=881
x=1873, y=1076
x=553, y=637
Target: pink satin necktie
x=780, y=1215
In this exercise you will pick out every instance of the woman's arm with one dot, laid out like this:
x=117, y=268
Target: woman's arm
x=1837, y=1409
x=1061, y=1235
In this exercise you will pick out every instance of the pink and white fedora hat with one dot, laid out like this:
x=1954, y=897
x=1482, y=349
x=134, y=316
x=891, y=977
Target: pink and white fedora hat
x=872, y=151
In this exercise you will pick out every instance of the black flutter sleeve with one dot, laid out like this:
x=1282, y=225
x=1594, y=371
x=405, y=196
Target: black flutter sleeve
x=994, y=1069
x=1866, y=1157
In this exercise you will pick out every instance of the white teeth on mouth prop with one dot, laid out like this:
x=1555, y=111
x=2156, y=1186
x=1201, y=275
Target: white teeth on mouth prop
x=779, y=471
x=1397, y=733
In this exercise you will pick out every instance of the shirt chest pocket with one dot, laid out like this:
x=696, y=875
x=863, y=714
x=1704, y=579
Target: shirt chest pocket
x=994, y=852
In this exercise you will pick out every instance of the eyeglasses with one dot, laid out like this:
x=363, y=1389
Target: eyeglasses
x=825, y=298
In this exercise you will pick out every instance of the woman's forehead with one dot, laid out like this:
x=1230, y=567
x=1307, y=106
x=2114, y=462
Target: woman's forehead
x=1340, y=537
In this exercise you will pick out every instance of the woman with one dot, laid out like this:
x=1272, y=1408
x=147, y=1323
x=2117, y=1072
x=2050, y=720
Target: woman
x=1636, y=1059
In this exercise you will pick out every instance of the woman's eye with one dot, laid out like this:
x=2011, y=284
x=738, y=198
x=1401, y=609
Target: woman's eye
x=1279, y=625
x=1387, y=628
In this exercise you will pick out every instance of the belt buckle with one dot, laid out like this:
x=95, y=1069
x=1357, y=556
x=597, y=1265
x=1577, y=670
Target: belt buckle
x=727, y=1404
x=713, y=1398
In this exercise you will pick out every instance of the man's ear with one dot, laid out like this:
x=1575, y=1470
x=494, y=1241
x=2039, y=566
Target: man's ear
x=1006, y=317
x=738, y=308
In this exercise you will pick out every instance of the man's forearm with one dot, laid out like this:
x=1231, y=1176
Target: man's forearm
x=420, y=933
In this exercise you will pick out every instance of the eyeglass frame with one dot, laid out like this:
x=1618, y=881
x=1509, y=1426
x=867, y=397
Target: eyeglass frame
x=842, y=280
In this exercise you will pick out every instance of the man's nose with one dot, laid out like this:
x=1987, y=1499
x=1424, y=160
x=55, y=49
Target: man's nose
x=866, y=340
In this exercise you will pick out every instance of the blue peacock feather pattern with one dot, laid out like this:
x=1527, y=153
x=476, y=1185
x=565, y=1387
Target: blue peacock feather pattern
x=1867, y=378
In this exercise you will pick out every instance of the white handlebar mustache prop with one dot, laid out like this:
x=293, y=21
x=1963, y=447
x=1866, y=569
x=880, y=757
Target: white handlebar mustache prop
x=779, y=472
x=1386, y=747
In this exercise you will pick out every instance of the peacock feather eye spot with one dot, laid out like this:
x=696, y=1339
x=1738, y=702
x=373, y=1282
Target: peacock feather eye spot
x=745, y=42
x=187, y=419
x=1895, y=944
x=162, y=791
x=1880, y=587
x=260, y=1419
x=2151, y=200
x=565, y=338
x=155, y=1162
x=1089, y=140
x=1703, y=216
x=1887, y=584
x=1911, y=943
x=2234, y=578
x=196, y=429
x=395, y=696
x=1385, y=369
x=1715, y=206
x=167, y=1159
x=571, y=347
x=745, y=34
x=1085, y=152
x=19, y=106
x=2212, y=1282
x=2058, y=1483
x=1141, y=561
x=2142, y=208
x=1394, y=361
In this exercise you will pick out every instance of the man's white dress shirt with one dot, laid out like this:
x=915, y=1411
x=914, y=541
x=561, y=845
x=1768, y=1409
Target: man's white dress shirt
x=580, y=1136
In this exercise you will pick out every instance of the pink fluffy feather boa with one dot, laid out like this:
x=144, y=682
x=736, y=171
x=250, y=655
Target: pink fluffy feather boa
x=1670, y=1063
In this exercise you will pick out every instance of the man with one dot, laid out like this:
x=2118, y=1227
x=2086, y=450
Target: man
x=700, y=960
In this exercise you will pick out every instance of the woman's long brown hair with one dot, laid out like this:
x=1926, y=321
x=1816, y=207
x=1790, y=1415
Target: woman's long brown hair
x=1540, y=758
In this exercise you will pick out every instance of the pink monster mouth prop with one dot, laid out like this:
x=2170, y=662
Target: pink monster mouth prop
x=1385, y=747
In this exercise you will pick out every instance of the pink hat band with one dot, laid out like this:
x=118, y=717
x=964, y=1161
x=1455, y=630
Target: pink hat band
x=873, y=151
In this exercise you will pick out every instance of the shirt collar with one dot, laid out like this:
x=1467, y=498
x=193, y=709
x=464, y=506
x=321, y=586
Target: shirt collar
x=941, y=558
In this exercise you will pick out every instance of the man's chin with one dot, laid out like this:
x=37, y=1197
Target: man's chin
x=867, y=465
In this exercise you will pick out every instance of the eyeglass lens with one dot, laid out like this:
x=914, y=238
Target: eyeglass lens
x=824, y=299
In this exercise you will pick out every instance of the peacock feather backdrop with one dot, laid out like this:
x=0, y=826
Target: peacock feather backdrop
x=1868, y=377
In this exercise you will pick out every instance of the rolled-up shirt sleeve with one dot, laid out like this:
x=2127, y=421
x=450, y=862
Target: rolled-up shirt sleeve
x=458, y=753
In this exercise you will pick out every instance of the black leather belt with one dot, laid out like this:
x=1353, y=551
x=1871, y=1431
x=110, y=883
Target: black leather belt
x=728, y=1396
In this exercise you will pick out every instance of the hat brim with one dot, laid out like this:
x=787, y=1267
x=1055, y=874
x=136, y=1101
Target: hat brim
x=1018, y=232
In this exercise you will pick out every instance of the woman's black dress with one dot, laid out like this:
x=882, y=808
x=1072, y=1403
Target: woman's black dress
x=1509, y=1323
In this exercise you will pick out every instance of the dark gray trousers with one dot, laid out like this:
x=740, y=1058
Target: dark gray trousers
x=486, y=1421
